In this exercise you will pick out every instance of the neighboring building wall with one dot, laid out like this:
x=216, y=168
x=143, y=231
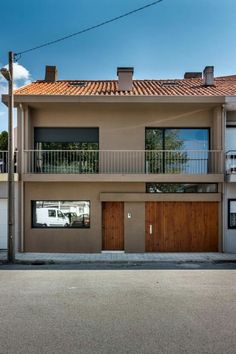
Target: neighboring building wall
x=229, y=193
x=4, y=195
x=3, y=190
x=229, y=234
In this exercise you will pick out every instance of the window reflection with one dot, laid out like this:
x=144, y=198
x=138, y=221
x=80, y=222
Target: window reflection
x=181, y=188
x=61, y=214
x=182, y=150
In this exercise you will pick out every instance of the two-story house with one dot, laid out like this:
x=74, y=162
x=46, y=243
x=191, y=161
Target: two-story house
x=126, y=165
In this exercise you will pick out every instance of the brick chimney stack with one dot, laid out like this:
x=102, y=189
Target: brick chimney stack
x=50, y=73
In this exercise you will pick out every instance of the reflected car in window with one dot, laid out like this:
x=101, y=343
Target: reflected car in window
x=60, y=213
x=82, y=221
x=51, y=217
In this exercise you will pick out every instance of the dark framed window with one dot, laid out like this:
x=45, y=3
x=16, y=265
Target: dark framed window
x=231, y=213
x=60, y=214
x=66, y=135
x=182, y=150
x=181, y=187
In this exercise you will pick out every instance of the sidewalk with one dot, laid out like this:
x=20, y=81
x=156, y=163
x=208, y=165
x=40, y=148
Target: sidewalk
x=63, y=258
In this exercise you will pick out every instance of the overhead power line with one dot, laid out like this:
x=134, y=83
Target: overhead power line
x=17, y=55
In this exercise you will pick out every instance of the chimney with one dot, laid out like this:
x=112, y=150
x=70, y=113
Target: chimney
x=193, y=75
x=125, y=79
x=208, y=76
x=50, y=73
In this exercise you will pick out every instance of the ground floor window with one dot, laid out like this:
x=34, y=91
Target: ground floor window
x=232, y=213
x=60, y=214
x=181, y=188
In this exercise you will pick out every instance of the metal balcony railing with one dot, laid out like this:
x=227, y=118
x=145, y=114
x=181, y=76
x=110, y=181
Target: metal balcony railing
x=4, y=162
x=230, y=162
x=123, y=161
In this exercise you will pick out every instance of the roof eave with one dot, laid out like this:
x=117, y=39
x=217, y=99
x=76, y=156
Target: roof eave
x=113, y=99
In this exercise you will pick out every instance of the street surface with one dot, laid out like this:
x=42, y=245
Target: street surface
x=118, y=309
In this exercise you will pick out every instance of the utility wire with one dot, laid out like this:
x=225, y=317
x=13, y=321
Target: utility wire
x=18, y=55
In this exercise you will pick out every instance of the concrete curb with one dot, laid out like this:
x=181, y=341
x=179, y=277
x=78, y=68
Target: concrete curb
x=128, y=259
x=121, y=262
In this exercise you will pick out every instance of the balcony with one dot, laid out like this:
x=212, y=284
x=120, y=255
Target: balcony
x=230, y=166
x=123, y=162
x=4, y=165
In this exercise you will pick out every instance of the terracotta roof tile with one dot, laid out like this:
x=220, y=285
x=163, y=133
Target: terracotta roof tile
x=224, y=86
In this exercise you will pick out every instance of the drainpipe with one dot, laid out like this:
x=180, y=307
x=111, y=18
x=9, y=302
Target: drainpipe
x=224, y=189
x=21, y=164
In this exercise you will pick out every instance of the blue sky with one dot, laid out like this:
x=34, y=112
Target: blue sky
x=161, y=42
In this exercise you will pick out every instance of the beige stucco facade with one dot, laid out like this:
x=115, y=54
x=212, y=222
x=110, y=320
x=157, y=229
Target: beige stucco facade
x=122, y=126
x=229, y=192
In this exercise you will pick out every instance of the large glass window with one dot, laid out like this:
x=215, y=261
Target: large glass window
x=60, y=214
x=181, y=188
x=177, y=150
x=232, y=214
x=67, y=150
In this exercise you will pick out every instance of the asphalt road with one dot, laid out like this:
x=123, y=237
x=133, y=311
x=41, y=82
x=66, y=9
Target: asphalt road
x=76, y=309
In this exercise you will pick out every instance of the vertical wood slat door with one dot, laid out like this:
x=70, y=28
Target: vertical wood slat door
x=113, y=226
x=182, y=226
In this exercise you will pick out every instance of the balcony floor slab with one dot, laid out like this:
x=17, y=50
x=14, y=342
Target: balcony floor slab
x=207, y=178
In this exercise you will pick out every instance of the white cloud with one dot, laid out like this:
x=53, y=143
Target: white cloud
x=22, y=77
x=3, y=87
x=27, y=82
x=20, y=72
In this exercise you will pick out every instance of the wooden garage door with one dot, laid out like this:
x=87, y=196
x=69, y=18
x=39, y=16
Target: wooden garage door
x=113, y=226
x=181, y=226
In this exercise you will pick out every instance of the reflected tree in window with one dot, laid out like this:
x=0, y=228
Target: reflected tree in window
x=181, y=188
x=177, y=150
x=68, y=157
x=171, y=157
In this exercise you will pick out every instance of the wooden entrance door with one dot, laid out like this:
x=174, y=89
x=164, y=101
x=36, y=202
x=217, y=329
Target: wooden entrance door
x=113, y=226
x=181, y=226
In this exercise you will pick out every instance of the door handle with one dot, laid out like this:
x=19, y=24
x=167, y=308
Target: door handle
x=150, y=229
